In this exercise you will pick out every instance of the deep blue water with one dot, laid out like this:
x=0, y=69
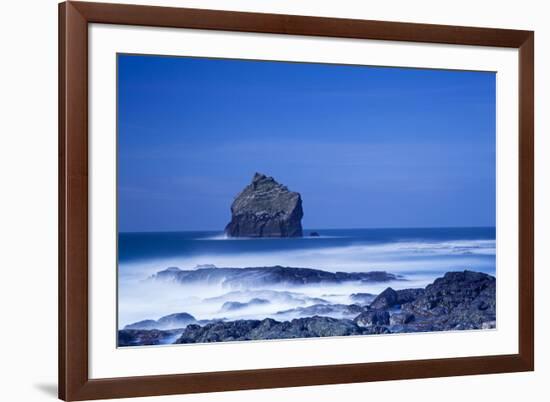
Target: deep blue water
x=458, y=244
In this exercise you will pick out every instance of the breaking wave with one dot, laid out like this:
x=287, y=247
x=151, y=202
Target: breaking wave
x=419, y=257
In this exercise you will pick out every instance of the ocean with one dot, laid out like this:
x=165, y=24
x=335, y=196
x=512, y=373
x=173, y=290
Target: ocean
x=417, y=255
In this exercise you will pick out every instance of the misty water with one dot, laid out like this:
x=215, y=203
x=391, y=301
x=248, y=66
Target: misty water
x=418, y=256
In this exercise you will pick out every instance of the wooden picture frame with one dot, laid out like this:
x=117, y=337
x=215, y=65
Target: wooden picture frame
x=74, y=381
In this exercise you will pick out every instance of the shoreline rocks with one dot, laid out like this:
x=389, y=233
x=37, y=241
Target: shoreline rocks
x=268, y=328
x=139, y=337
x=172, y=321
x=235, y=305
x=457, y=301
x=253, y=277
x=372, y=317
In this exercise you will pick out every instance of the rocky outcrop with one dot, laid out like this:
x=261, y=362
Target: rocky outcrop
x=385, y=300
x=172, y=321
x=341, y=310
x=457, y=301
x=235, y=305
x=252, y=277
x=266, y=208
x=269, y=329
x=140, y=337
x=391, y=298
x=401, y=318
x=372, y=317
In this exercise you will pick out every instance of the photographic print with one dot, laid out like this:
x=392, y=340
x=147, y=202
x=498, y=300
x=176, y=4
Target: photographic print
x=270, y=200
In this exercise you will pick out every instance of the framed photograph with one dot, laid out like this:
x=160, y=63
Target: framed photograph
x=259, y=200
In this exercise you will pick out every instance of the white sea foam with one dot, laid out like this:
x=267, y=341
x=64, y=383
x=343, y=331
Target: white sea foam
x=392, y=257
x=419, y=262
x=223, y=236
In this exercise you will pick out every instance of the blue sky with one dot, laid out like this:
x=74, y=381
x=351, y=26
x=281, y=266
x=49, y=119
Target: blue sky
x=365, y=146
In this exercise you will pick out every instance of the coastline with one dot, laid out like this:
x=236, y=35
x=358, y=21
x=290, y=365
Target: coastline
x=457, y=301
x=285, y=279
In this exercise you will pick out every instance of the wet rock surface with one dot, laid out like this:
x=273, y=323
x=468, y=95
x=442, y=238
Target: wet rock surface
x=172, y=321
x=372, y=317
x=261, y=276
x=457, y=301
x=235, y=305
x=140, y=337
x=323, y=310
x=269, y=329
x=390, y=298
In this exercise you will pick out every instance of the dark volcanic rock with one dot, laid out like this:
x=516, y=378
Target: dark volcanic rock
x=262, y=276
x=408, y=295
x=178, y=320
x=459, y=300
x=141, y=337
x=234, y=305
x=269, y=329
x=372, y=317
x=376, y=329
x=386, y=299
x=172, y=321
x=266, y=208
x=323, y=310
x=372, y=276
x=390, y=298
x=401, y=318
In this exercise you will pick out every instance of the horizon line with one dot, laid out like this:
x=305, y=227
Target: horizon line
x=318, y=229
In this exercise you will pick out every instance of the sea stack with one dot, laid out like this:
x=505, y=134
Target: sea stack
x=266, y=208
